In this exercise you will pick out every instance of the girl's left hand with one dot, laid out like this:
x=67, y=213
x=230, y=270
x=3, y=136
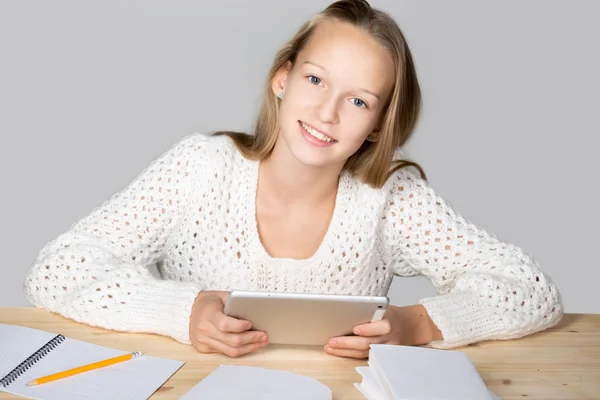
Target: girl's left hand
x=408, y=325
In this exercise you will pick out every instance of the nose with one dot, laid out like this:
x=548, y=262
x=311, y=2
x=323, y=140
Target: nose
x=327, y=109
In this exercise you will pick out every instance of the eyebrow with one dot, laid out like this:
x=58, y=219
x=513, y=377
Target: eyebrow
x=361, y=89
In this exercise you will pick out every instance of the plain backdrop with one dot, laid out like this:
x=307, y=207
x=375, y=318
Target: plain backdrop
x=92, y=92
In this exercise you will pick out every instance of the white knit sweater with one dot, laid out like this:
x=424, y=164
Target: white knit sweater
x=192, y=213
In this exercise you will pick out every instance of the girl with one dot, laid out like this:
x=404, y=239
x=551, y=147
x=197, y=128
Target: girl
x=317, y=200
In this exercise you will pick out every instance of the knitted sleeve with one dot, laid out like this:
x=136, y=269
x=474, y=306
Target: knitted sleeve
x=487, y=289
x=97, y=272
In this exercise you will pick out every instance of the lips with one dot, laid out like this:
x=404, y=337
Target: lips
x=316, y=133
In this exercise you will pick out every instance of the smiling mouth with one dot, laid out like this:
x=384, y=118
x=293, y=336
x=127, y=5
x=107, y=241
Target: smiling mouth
x=316, y=134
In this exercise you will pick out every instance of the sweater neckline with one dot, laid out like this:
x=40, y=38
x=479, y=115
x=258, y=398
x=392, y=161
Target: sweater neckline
x=341, y=204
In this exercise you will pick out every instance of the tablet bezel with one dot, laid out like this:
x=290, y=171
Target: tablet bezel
x=304, y=318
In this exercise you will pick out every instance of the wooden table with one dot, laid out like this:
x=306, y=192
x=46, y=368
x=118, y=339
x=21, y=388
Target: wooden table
x=560, y=363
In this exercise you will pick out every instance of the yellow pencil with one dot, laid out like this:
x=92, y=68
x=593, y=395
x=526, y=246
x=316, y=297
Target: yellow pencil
x=84, y=368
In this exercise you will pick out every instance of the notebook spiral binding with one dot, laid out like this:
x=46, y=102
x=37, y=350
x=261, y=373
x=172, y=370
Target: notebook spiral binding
x=31, y=360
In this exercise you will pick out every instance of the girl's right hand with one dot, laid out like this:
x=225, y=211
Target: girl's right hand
x=211, y=331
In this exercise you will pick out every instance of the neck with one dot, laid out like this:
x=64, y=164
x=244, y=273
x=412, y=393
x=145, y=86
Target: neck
x=296, y=183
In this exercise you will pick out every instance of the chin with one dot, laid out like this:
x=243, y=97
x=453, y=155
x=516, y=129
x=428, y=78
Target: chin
x=310, y=157
x=318, y=158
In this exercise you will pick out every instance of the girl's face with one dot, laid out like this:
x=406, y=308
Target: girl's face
x=333, y=95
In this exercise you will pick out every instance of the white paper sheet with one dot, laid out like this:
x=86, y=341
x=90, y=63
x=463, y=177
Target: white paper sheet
x=372, y=387
x=235, y=382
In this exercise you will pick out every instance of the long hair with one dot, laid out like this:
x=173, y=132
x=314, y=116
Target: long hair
x=373, y=163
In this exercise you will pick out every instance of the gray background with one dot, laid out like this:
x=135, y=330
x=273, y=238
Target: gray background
x=91, y=93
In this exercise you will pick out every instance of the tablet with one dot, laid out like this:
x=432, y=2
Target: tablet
x=307, y=319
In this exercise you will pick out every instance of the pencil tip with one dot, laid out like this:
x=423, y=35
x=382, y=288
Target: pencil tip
x=32, y=383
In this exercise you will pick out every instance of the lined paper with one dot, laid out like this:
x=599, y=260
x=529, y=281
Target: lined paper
x=134, y=379
x=17, y=343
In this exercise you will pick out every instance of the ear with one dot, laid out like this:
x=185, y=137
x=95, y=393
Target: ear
x=373, y=136
x=278, y=84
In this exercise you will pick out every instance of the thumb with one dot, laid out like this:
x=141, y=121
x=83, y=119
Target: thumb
x=210, y=296
x=225, y=323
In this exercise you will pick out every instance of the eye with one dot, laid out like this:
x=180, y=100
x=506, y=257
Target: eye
x=359, y=103
x=314, y=80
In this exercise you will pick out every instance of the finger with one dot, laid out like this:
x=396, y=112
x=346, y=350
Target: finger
x=233, y=351
x=376, y=328
x=350, y=353
x=226, y=323
x=240, y=339
x=353, y=342
x=202, y=347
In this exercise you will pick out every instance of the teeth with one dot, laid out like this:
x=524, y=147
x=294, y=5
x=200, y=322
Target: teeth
x=316, y=134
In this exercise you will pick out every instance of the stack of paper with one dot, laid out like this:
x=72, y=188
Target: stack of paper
x=419, y=373
x=236, y=382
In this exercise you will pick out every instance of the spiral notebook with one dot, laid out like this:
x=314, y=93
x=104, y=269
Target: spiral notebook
x=27, y=354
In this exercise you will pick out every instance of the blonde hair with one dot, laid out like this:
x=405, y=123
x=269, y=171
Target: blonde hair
x=373, y=163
